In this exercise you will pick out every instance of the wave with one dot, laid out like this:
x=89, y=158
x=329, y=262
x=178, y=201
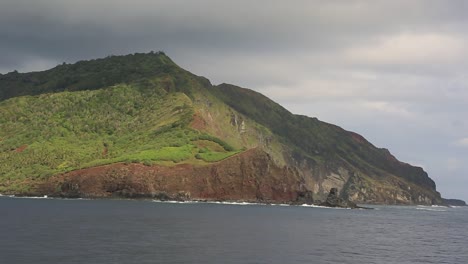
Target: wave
x=176, y=202
x=431, y=209
x=207, y=202
x=245, y=203
x=44, y=197
x=8, y=195
x=319, y=206
x=36, y=197
x=237, y=203
x=439, y=206
x=30, y=197
x=241, y=203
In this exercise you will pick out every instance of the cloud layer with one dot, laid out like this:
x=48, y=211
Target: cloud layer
x=394, y=71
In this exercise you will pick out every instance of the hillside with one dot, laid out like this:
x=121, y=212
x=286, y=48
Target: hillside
x=140, y=126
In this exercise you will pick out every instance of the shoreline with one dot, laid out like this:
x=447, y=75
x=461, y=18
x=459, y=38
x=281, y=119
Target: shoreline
x=226, y=202
x=194, y=201
x=424, y=207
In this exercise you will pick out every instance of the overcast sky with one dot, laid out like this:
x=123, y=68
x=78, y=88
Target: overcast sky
x=393, y=71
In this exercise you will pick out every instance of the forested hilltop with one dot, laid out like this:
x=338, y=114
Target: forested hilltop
x=141, y=126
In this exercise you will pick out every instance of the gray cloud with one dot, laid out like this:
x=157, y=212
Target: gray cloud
x=391, y=70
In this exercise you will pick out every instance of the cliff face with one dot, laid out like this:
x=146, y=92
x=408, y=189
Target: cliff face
x=327, y=156
x=140, y=126
x=251, y=176
x=361, y=185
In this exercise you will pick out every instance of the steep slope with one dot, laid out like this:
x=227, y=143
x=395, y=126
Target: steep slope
x=318, y=144
x=83, y=129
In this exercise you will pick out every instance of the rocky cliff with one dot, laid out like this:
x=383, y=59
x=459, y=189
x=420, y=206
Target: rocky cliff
x=251, y=176
x=140, y=126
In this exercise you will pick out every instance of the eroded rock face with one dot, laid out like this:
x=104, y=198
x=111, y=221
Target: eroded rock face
x=334, y=200
x=388, y=189
x=250, y=176
x=305, y=197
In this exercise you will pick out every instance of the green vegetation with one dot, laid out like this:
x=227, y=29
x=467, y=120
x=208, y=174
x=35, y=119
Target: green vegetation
x=87, y=75
x=223, y=144
x=174, y=154
x=215, y=156
x=138, y=122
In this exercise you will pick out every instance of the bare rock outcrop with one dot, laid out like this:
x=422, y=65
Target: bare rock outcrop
x=251, y=176
x=334, y=200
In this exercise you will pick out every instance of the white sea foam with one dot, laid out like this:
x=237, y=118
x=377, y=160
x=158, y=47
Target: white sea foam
x=33, y=197
x=45, y=197
x=24, y=197
x=319, y=206
x=430, y=209
x=244, y=203
x=236, y=203
x=207, y=202
x=175, y=202
x=433, y=208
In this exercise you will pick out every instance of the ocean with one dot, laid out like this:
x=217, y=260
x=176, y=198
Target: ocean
x=143, y=231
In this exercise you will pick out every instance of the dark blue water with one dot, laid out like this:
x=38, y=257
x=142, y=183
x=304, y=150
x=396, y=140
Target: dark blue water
x=121, y=231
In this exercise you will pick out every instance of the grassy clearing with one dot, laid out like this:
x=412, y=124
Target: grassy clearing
x=212, y=156
x=174, y=154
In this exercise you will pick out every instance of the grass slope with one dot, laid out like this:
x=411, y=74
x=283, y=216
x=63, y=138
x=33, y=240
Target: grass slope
x=54, y=133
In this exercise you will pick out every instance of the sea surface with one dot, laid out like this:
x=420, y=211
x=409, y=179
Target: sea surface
x=127, y=231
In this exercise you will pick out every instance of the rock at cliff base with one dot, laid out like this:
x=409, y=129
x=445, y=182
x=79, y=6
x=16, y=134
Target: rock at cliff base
x=333, y=200
x=304, y=197
x=454, y=202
